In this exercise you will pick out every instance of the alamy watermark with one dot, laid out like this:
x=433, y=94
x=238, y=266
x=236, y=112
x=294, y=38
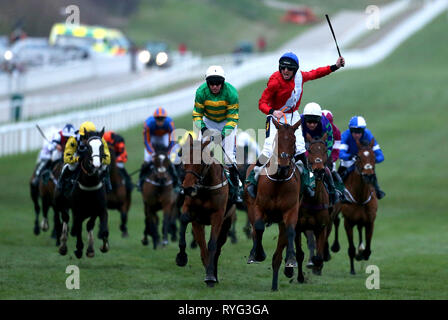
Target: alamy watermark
x=73, y=13
x=373, y=17
x=72, y=281
x=373, y=280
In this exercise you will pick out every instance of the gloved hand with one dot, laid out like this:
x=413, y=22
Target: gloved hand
x=355, y=158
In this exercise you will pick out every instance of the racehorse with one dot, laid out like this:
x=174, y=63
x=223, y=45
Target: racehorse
x=277, y=201
x=158, y=193
x=314, y=212
x=88, y=199
x=120, y=196
x=45, y=191
x=361, y=211
x=206, y=192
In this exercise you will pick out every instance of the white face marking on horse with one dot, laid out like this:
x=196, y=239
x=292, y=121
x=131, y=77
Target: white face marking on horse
x=95, y=144
x=366, y=153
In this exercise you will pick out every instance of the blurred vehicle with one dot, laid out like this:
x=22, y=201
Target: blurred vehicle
x=99, y=39
x=299, y=16
x=155, y=53
x=242, y=50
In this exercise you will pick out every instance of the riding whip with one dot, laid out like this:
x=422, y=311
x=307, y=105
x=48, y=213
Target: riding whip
x=42, y=133
x=332, y=32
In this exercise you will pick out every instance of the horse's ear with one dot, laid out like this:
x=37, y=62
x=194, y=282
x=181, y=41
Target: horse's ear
x=298, y=123
x=275, y=122
x=308, y=137
x=324, y=137
x=102, y=132
x=372, y=143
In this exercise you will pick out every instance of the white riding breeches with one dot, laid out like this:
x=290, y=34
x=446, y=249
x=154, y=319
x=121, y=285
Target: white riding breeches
x=271, y=132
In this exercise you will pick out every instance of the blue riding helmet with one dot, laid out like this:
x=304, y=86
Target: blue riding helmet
x=357, y=122
x=289, y=59
x=68, y=130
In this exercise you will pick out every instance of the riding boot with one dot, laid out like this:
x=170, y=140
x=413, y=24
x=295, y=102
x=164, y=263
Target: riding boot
x=144, y=171
x=235, y=179
x=42, y=164
x=173, y=172
x=343, y=173
x=305, y=175
x=106, y=179
x=379, y=193
x=334, y=196
x=339, y=187
x=64, y=181
x=252, y=179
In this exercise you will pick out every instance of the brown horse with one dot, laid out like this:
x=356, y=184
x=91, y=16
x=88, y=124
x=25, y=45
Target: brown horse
x=277, y=201
x=45, y=190
x=206, y=192
x=314, y=213
x=120, y=196
x=158, y=194
x=361, y=211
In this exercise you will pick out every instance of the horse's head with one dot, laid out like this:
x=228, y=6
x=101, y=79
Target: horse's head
x=194, y=167
x=317, y=154
x=161, y=163
x=285, y=147
x=91, y=152
x=365, y=163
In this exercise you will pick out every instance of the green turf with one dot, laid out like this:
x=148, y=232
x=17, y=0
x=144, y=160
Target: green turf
x=403, y=100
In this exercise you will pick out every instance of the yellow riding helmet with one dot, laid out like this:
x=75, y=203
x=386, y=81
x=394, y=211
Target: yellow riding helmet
x=85, y=127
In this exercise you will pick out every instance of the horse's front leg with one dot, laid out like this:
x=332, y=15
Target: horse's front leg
x=335, y=247
x=277, y=257
x=257, y=253
x=90, y=252
x=351, y=246
x=199, y=237
x=182, y=257
x=77, y=229
x=318, y=259
x=290, y=221
x=369, y=233
x=300, y=255
x=104, y=230
x=216, y=222
x=34, y=190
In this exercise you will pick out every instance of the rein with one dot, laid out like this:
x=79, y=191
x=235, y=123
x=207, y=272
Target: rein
x=280, y=180
x=202, y=176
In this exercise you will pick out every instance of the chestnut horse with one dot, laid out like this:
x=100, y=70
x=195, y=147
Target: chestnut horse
x=158, y=194
x=206, y=202
x=314, y=213
x=120, y=196
x=88, y=199
x=277, y=201
x=361, y=211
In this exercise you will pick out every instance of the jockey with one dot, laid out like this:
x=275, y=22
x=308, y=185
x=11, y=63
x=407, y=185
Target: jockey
x=76, y=144
x=158, y=132
x=357, y=130
x=281, y=99
x=121, y=156
x=52, y=150
x=335, y=154
x=216, y=107
x=314, y=124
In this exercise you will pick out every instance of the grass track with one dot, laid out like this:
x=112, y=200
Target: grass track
x=404, y=100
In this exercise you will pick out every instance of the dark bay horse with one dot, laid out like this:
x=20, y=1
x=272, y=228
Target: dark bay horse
x=277, y=201
x=88, y=200
x=158, y=194
x=45, y=190
x=120, y=196
x=314, y=213
x=206, y=192
x=361, y=211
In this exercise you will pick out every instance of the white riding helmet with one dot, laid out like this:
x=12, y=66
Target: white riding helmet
x=312, y=109
x=215, y=71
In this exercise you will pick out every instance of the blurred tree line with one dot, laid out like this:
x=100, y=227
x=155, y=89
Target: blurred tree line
x=37, y=16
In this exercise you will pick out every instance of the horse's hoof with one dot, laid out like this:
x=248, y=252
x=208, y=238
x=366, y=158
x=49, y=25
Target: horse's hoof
x=210, y=280
x=327, y=257
x=36, y=230
x=193, y=244
x=44, y=225
x=105, y=247
x=63, y=250
x=260, y=257
x=181, y=259
x=125, y=234
x=335, y=247
x=78, y=254
x=352, y=272
x=300, y=278
x=359, y=256
x=310, y=265
x=291, y=263
x=145, y=242
x=164, y=243
x=90, y=253
x=289, y=272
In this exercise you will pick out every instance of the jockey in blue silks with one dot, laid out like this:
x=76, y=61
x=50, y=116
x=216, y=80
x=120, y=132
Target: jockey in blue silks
x=357, y=129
